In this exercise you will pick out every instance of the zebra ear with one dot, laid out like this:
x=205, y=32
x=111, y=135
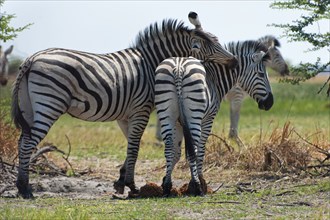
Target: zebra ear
x=257, y=57
x=9, y=50
x=194, y=20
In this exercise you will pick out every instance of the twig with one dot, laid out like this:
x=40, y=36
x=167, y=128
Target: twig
x=4, y=188
x=286, y=192
x=217, y=189
x=220, y=202
x=320, y=90
x=43, y=150
x=230, y=149
x=67, y=157
x=320, y=150
x=8, y=164
x=318, y=166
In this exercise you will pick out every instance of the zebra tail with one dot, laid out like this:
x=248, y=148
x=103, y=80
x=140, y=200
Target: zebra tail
x=20, y=83
x=189, y=141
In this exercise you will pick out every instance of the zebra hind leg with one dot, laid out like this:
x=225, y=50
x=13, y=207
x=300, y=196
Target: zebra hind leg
x=169, y=155
x=22, y=182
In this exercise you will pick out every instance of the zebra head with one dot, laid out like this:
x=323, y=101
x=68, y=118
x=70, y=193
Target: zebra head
x=4, y=65
x=254, y=79
x=276, y=61
x=206, y=46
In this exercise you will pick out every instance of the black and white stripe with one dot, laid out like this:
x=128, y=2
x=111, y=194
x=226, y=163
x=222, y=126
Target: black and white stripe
x=180, y=96
x=236, y=95
x=101, y=87
x=196, y=100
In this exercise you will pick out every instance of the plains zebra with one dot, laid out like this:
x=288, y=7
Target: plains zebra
x=4, y=65
x=101, y=87
x=236, y=95
x=185, y=93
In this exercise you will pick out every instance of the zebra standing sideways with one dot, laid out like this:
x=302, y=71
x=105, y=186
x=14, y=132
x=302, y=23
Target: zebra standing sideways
x=236, y=95
x=101, y=87
x=4, y=65
x=184, y=93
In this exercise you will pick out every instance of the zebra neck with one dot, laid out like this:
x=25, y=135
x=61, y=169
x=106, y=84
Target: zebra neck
x=220, y=79
x=157, y=51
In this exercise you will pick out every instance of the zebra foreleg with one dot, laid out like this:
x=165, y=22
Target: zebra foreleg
x=133, y=131
x=119, y=185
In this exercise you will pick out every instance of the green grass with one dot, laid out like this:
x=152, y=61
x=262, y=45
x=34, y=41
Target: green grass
x=299, y=104
x=308, y=201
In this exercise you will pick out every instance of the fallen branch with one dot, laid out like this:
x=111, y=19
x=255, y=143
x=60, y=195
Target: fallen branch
x=230, y=148
x=319, y=149
x=217, y=189
x=67, y=157
x=3, y=189
x=42, y=151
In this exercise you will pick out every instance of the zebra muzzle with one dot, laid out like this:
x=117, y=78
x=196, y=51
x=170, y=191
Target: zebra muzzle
x=266, y=103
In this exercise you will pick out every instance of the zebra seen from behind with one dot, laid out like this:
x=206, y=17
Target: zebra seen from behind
x=236, y=95
x=101, y=87
x=187, y=99
x=4, y=65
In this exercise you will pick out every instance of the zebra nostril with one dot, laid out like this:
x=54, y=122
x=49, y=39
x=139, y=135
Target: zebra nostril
x=267, y=103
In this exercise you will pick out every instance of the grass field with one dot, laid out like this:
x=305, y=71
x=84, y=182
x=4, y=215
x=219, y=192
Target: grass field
x=281, y=196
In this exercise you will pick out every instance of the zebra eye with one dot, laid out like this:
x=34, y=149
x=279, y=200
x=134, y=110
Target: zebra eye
x=261, y=74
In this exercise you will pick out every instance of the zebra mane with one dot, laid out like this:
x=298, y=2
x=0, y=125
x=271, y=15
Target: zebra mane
x=242, y=48
x=166, y=28
x=269, y=39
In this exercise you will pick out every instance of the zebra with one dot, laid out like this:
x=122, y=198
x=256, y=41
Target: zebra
x=4, y=65
x=236, y=95
x=101, y=87
x=188, y=97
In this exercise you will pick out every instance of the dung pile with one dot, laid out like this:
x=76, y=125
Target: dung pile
x=152, y=190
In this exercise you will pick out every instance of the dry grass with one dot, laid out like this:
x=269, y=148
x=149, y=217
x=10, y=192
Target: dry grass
x=284, y=151
x=8, y=139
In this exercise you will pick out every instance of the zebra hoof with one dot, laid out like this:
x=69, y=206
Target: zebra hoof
x=24, y=188
x=167, y=187
x=119, y=187
x=195, y=189
x=25, y=192
x=134, y=190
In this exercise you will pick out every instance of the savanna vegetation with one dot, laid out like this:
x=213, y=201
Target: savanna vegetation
x=282, y=171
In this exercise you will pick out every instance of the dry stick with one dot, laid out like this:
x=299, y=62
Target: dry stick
x=3, y=189
x=43, y=150
x=67, y=157
x=320, y=150
x=328, y=91
x=230, y=149
x=217, y=189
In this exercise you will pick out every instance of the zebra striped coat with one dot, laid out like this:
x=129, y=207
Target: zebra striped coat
x=185, y=94
x=236, y=95
x=101, y=87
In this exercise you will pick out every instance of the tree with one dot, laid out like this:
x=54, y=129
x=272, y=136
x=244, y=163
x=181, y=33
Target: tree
x=8, y=32
x=315, y=11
